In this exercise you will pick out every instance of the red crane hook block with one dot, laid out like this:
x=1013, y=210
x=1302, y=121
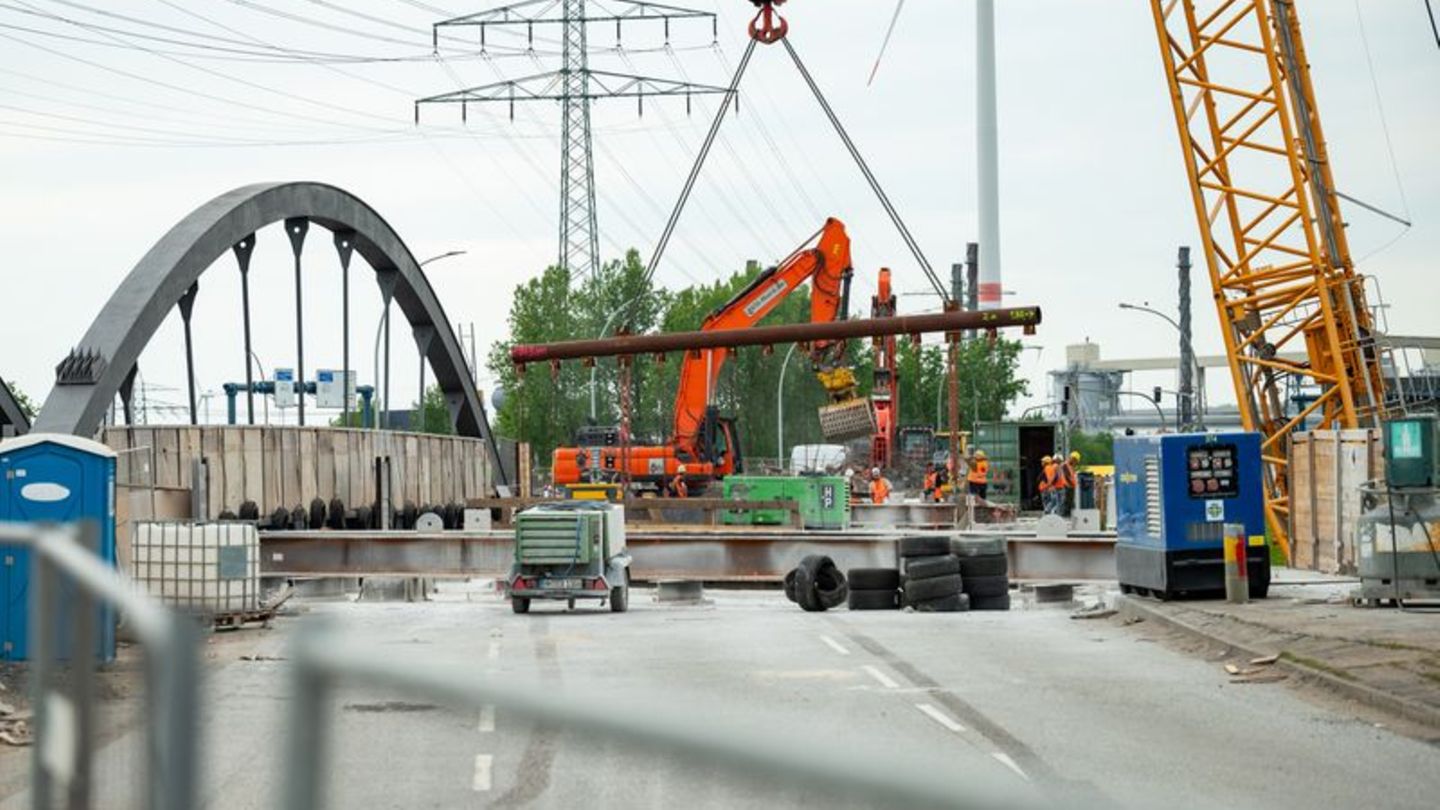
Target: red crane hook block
x=768, y=26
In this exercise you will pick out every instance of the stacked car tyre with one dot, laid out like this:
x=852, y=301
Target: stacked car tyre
x=874, y=589
x=985, y=569
x=931, y=579
x=816, y=584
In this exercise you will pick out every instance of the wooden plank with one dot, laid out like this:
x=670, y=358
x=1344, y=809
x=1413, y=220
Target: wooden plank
x=410, y=483
x=325, y=464
x=167, y=457
x=272, y=479
x=233, y=461
x=212, y=448
x=343, y=461
x=426, y=456
x=362, y=482
x=190, y=448
x=290, y=493
x=253, y=452
x=309, y=466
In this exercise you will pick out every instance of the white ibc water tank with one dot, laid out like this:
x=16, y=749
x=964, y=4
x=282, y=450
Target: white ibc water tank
x=211, y=569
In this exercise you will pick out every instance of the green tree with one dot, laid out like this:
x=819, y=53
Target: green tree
x=432, y=414
x=1094, y=448
x=23, y=400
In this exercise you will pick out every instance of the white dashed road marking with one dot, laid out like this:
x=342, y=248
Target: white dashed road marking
x=1010, y=763
x=487, y=717
x=885, y=680
x=942, y=718
x=834, y=645
x=494, y=650
x=481, y=782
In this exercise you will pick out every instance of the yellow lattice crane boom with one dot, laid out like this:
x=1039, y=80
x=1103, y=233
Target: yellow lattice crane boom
x=1270, y=226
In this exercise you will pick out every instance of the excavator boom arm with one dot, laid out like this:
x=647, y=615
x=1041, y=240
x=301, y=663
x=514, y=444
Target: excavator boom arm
x=826, y=266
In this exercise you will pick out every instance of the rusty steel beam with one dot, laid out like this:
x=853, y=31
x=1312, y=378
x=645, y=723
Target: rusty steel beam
x=732, y=554
x=627, y=345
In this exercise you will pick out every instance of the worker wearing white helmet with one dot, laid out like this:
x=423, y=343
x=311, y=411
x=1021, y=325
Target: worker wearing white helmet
x=678, y=487
x=879, y=487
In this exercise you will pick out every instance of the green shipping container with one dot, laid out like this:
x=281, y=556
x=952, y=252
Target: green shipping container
x=1014, y=450
x=824, y=501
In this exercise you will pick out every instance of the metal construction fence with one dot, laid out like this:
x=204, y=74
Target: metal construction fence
x=71, y=583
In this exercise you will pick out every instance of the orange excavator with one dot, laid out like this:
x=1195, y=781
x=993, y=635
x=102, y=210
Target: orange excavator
x=703, y=442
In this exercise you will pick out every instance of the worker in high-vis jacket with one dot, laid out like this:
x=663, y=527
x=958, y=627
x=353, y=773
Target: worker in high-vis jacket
x=1070, y=482
x=979, y=476
x=1048, y=472
x=879, y=487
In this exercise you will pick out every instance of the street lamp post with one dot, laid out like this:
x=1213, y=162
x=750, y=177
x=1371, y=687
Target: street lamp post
x=1185, y=344
x=382, y=330
x=780, y=408
x=1158, y=411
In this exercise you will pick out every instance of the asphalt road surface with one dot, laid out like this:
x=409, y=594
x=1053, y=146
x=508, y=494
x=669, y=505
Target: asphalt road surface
x=1093, y=712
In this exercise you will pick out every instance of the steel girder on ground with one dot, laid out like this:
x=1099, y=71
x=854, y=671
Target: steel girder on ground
x=704, y=554
x=174, y=265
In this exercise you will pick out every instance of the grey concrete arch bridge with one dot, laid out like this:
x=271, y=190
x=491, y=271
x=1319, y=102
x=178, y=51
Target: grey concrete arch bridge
x=103, y=363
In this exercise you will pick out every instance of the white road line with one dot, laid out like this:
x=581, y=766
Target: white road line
x=487, y=717
x=941, y=718
x=885, y=680
x=834, y=645
x=481, y=782
x=494, y=650
x=1010, y=763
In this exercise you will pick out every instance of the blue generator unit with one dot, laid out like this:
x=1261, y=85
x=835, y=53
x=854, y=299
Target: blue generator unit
x=1174, y=494
x=52, y=478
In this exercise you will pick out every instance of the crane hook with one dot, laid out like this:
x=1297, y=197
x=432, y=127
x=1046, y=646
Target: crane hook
x=768, y=27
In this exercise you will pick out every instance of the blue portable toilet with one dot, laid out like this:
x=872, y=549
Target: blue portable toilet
x=52, y=478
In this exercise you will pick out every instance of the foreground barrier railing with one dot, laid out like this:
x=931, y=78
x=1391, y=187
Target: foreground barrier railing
x=849, y=770
x=69, y=583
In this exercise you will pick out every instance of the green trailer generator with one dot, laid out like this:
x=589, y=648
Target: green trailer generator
x=824, y=500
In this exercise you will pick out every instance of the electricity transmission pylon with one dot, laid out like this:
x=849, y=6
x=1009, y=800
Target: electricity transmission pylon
x=574, y=85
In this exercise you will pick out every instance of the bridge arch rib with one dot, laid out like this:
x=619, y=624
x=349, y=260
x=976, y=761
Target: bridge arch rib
x=101, y=363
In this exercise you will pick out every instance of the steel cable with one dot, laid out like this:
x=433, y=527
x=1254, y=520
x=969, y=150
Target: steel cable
x=699, y=162
x=865, y=170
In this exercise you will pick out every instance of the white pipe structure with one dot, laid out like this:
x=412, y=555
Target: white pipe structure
x=780, y=407
x=987, y=155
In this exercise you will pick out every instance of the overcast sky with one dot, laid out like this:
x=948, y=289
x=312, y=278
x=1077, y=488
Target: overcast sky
x=114, y=125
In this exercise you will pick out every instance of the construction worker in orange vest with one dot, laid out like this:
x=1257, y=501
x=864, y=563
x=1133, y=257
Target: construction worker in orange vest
x=879, y=487
x=1049, y=479
x=678, y=487
x=928, y=487
x=979, y=476
x=942, y=485
x=1069, y=481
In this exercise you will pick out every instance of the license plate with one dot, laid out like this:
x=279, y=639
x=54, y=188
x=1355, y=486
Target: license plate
x=562, y=584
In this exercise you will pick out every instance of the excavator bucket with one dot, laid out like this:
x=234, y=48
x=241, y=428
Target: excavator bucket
x=847, y=420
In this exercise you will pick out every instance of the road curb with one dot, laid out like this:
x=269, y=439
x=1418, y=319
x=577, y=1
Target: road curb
x=1404, y=708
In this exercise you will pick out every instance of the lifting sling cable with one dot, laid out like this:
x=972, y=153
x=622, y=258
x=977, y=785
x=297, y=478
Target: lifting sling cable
x=730, y=94
x=865, y=170
x=854, y=151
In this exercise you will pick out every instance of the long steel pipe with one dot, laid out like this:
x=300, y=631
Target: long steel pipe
x=623, y=345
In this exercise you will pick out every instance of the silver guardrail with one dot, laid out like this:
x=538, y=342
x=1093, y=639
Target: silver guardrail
x=849, y=769
x=69, y=583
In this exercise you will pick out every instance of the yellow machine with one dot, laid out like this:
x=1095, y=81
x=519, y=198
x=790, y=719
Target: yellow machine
x=594, y=492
